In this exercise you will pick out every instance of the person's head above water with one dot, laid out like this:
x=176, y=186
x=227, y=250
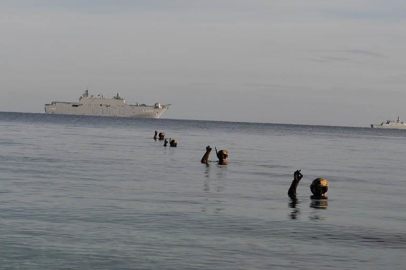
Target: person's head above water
x=161, y=136
x=222, y=155
x=319, y=188
x=173, y=143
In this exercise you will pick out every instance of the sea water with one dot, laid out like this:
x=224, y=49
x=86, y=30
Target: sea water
x=82, y=192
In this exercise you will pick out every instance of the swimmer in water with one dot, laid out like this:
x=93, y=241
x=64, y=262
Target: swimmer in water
x=156, y=135
x=173, y=143
x=161, y=136
x=319, y=187
x=222, y=155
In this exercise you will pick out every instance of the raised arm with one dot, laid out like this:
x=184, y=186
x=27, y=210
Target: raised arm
x=205, y=158
x=297, y=176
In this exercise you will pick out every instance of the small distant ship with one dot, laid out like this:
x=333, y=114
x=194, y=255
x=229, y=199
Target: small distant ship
x=390, y=124
x=100, y=106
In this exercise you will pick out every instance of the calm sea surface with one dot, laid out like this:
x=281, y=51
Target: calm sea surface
x=100, y=193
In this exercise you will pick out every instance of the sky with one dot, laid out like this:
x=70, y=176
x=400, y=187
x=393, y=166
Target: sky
x=315, y=62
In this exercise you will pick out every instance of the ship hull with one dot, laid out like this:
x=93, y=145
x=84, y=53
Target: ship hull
x=388, y=126
x=134, y=111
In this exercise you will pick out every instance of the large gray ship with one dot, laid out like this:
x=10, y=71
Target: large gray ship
x=391, y=124
x=100, y=106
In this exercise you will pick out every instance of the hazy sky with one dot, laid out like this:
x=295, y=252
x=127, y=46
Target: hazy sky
x=292, y=61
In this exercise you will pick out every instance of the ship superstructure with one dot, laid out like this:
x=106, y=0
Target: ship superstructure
x=391, y=124
x=100, y=106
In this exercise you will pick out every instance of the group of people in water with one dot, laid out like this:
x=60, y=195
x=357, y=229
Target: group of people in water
x=318, y=187
x=161, y=136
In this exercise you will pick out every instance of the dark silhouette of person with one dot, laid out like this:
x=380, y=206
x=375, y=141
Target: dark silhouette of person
x=205, y=158
x=173, y=143
x=222, y=155
x=318, y=187
x=297, y=176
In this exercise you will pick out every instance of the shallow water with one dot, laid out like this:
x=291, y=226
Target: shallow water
x=100, y=193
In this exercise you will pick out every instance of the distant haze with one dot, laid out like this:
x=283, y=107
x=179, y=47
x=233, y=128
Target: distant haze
x=293, y=61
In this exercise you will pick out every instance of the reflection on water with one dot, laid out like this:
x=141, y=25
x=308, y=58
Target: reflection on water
x=294, y=205
x=207, y=171
x=206, y=186
x=216, y=210
x=316, y=217
x=218, y=187
x=211, y=187
x=221, y=171
x=318, y=204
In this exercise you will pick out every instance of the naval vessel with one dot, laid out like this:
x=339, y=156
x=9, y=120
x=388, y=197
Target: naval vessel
x=390, y=124
x=100, y=106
